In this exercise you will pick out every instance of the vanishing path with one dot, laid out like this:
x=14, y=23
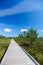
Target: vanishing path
x=16, y=56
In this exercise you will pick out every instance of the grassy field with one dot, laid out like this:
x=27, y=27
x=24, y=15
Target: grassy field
x=4, y=42
x=35, y=50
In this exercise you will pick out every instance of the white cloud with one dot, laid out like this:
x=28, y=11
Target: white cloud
x=40, y=30
x=7, y=25
x=24, y=6
x=24, y=30
x=8, y=30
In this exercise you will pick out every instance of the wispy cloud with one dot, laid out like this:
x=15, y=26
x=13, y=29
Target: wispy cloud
x=7, y=25
x=40, y=30
x=24, y=6
x=7, y=30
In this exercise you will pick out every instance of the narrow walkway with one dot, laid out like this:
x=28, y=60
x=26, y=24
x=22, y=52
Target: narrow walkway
x=16, y=56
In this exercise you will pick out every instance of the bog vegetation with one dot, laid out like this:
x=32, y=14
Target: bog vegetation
x=32, y=43
x=4, y=42
x=29, y=40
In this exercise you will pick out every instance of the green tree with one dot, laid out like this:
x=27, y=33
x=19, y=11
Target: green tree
x=20, y=35
x=24, y=33
x=32, y=35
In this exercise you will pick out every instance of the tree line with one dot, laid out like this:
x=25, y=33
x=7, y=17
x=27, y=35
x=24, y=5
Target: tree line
x=31, y=35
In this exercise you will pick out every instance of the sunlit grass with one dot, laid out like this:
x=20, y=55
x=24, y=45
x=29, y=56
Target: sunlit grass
x=4, y=42
x=35, y=50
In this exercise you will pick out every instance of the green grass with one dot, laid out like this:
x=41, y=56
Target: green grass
x=36, y=49
x=4, y=42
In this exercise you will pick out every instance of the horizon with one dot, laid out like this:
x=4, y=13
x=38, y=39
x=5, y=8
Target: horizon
x=18, y=15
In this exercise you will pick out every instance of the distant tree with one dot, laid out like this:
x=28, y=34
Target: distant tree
x=24, y=33
x=25, y=37
x=20, y=35
x=28, y=35
x=32, y=35
x=1, y=36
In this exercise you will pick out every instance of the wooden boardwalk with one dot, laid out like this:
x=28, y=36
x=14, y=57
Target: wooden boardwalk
x=16, y=56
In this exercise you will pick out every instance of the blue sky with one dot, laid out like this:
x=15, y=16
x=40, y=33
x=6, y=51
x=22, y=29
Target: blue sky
x=17, y=15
